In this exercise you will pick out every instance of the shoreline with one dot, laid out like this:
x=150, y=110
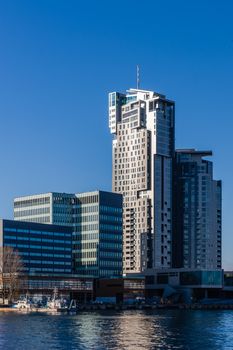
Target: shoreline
x=113, y=307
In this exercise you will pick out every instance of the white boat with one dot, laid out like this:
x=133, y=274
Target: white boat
x=57, y=304
x=23, y=304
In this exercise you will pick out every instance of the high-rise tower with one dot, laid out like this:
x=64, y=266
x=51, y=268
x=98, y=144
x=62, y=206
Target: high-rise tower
x=197, y=212
x=142, y=123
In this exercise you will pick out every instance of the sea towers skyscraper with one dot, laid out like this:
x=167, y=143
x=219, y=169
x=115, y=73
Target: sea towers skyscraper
x=142, y=124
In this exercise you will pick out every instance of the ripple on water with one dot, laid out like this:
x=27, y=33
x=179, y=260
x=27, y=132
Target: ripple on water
x=133, y=330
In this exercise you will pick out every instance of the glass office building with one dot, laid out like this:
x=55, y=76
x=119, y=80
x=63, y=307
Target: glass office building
x=46, y=208
x=97, y=240
x=197, y=212
x=43, y=248
x=96, y=222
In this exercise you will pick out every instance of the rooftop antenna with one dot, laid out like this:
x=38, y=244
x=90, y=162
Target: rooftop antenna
x=138, y=76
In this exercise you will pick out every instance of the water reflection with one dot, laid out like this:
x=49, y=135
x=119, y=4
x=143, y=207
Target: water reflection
x=137, y=331
x=157, y=330
x=126, y=330
x=115, y=331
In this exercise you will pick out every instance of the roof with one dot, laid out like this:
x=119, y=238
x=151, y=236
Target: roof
x=194, y=152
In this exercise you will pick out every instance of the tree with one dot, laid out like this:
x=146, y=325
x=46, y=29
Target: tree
x=11, y=268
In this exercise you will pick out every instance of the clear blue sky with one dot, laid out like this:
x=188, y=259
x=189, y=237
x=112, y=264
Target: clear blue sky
x=59, y=60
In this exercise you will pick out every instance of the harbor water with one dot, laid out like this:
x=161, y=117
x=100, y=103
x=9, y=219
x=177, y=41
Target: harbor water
x=133, y=330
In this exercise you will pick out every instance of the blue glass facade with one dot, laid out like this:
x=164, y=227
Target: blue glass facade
x=197, y=212
x=97, y=240
x=43, y=248
x=207, y=278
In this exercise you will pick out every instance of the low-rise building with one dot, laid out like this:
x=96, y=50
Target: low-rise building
x=184, y=284
x=43, y=248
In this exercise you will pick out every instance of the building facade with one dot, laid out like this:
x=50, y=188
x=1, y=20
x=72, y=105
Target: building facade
x=47, y=208
x=98, y=234
x=180, y=285
x=43, y=248
x=142, y=124
x=197, y=213
x=96, y=221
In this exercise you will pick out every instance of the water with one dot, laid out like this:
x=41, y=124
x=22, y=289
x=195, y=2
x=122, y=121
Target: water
x=133, y=330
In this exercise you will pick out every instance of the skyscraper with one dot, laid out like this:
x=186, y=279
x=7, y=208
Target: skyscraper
x=196, y=212
x=142, y=123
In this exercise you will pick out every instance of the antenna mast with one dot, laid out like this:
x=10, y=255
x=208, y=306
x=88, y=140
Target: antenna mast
x=138, y=76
